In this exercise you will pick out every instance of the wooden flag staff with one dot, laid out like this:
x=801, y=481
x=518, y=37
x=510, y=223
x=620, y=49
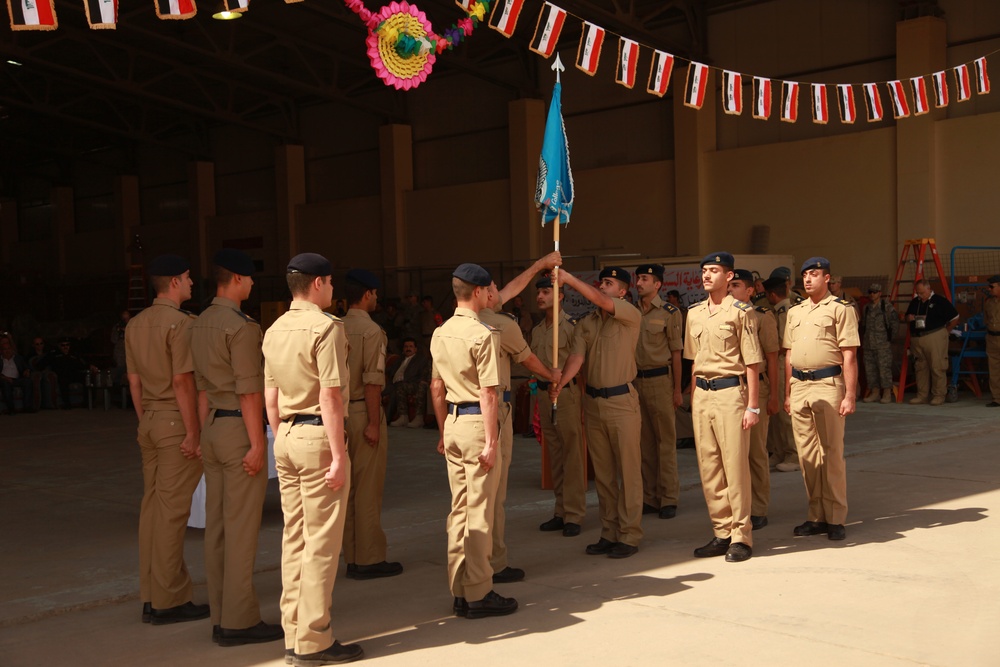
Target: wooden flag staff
x=557, y=67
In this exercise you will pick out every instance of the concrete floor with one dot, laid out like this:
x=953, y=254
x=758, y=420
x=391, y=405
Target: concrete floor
x=917, y=582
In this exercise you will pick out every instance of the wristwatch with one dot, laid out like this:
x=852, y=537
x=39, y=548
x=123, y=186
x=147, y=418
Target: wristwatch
x=756, y=411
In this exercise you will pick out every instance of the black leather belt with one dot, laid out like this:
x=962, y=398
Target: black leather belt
x=924, y=332
x=653, y=372
x=459, y=409
x=312, y=420
x=228, y=413
x=822, y=373
x=993, y=333
x=608, y=392
x=544, y=386
x=719, y=383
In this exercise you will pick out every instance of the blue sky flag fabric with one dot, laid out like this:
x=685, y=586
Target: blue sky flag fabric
x=554, y=190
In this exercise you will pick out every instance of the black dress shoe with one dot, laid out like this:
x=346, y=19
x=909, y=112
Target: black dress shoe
x=993, y=404
x=685, y=443
x=336, y=654
x=179, y=614
x=738, y=552
x=258, y=634
x=649, y=509
x=352, y=571
x=758, y=522
x=811, y=528
x=461, y=607
x=491, y=605
x=508, y=575
x=555, y=523
x=571, y=529
x=600, y=548
x=622, y=550
x=668, y=511
x=717, y=547
x=836, y=531
x=376, y=571
x=216, y=631
x=147, y=612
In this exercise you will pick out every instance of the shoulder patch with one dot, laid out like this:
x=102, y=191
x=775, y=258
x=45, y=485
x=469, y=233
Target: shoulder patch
x=573, y=320
x=670, y=308
x=491, y=328
x=246, y=318
x=781, y=309
x=742, y=306
x=843, y=301
x=762, y=309
x=510, y=315
x=797, y=298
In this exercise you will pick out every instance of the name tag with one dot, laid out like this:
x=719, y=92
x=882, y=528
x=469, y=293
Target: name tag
x=726, y=327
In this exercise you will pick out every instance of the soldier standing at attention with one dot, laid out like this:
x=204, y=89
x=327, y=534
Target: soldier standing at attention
x=658, y=383
x=722, y=342
x=878, y=327
x=464, y=381
x=565, y=446
x=991, y=313
x=229, y=373
x=606, y=339
x=306, y=391
x=741, y=288
x=780, y=441
x=820, y=373
x=364, y=540
x=161, y=382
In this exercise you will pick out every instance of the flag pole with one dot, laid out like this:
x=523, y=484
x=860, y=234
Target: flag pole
x=557, y=67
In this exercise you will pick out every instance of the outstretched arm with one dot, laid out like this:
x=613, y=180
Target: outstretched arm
x=589, y=292
x=517, y=285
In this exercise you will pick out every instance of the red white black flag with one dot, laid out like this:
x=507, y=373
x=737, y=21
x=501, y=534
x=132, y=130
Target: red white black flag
x=175, y=9
x=504, y=16
x=550, y=25
x=588, y=55
x=732, y=92
x=695, y=86
x=962, y=83
x=940, y=80
x=32, y=14
x=921, y=104
x=897, y=91
x=101, y=14
x=761, y=98
x=628, y=59
x=789, y=101
x=845, y=100
x=820, y=110
x=982, y=79
x=660, y=72
x=873, y=101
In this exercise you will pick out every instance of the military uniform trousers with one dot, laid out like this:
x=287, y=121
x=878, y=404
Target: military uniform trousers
x=314, y=531
x=658, y=441
x=403, y=391
x=498, y=555
x=613, y=427
x=819, y=435
x=233, y=504
x=760, y=468
x=364, y=539
x=565, y=452
x=723, y=449
x=878, y=364
x=169, y=480
x=930, y=360
x=473, y=495
x=993, y=357
x=780, y=441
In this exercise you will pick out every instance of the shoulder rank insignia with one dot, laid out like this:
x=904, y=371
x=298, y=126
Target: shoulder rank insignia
x=670, y=308
x=742, y=305
x=762, y=309
x=781, y=309
x=187, y=312
x=510, y=315
x=797, y=298
x=844, y=302
x=573, y=320
x=246, y=318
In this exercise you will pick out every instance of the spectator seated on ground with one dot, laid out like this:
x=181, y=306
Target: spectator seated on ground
x=14, y=374
x=408, y=377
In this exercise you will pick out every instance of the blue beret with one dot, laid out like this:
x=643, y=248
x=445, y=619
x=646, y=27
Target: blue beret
x=543, y=282
x=782, y=272
x=771, y=283
x=718, y=258
x=815, y=263
x=364, y=278
x=473, y=273
x=311, y=264
x=744, y=275
x=654, y=270
x=168, y=265
x=234, y=260
x=616, y=272
x=994, y=280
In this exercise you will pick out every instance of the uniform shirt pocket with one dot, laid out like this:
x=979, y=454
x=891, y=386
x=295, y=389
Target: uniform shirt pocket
x=724, y=339
x=824, y=328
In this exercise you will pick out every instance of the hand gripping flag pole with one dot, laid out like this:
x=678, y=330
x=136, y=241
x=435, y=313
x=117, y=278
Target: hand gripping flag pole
x=554, y=193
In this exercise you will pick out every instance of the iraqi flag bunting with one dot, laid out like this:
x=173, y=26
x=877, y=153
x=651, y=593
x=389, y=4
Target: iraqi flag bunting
x=32, y=14
x=761, y=98
x=918, y=87
x=820, y=110
x=962, y=83
x=940, y=80
x=789, y=101
x=694, y=87
x=588, y=55
x=873, y=101
x=845, y=100
x=628, y=59
x=732, y=92
x=548, y=29
x=503, y=18
x=660, y=72
x=101, y=14
x=900, y=109
x=982, y=79
x=175, y=9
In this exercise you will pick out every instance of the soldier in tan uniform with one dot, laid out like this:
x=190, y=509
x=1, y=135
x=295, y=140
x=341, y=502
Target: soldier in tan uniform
x=722, y=342
x=606, y=340
x=658, y=383
x=562, y=439
x=991, y=313
x=229, y=373
x=161, y=381
x=780, y=441
x=306, y=392
x=464, y=390
x=741, y=289
x=364, y=540
x=821, y=339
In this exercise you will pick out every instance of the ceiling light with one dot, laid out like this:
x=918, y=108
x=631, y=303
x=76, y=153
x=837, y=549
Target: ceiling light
x=14, y=62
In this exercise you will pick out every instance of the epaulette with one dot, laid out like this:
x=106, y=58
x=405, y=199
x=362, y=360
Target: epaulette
x=187, y=312
x=574, y=320
x=491, y=328
x=781, y=309
x=510, y=315
x=246, y=318
x=762, y=309
x=797, y=303
x=843, y=301
x=797, y=298
x=670, y=308
x=742, y=305
x=331, y=316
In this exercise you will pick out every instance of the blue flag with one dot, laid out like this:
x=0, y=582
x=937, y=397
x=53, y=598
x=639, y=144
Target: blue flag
x=554, y=191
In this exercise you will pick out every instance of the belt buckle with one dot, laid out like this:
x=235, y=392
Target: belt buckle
x=711, y=384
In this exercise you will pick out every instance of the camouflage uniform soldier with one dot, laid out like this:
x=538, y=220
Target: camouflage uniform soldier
x=878, y=325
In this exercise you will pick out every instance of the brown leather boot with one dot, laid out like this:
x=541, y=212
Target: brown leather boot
x=871, y=397
x=887, y=396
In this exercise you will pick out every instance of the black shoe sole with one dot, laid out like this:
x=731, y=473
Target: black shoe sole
x=240, y=642
x=327, y=661
x=485, y=613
